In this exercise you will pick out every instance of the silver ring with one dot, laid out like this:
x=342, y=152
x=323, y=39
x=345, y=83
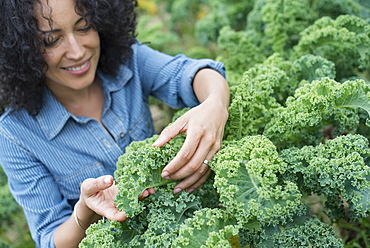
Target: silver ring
x=205, y=162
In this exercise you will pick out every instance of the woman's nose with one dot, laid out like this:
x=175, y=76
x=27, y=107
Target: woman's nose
x=75, y=48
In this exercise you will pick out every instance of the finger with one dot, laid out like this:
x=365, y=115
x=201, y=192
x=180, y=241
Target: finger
x=169, y=133
x=146, y=193
x=114, y=214
x=151, y=191
x=200, y=181
x=178, y=169
x=92, y=185
x=195, y=180
x=186, y=156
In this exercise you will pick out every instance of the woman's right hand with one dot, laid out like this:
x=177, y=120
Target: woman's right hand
x=98, y=194
x=96, y=200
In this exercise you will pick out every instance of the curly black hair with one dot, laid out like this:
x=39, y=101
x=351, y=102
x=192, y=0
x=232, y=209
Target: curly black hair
x=21, y=47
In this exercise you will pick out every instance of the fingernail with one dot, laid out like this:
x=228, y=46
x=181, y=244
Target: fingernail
x=165, y=175
x=190, y=190
x=107, y=180
x=156, y=142
x=177, y=190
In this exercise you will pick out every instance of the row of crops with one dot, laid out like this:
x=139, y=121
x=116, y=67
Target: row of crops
x=294, y=167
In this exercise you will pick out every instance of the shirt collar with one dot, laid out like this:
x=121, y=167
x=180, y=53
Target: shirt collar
x=53, y=116
x=115, y=83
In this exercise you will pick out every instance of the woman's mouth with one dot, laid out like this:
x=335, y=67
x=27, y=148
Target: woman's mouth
x=78, y=70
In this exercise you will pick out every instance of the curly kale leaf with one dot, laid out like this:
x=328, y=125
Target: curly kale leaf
x=303, y=232
x=207, y=193
x=344, y=41
x=283, y=21
x=222, y=13
x=207, y=228
x=274, y=25
x=156, y=226
x=207, y=29
x=341, y=166
x=363, y=127
x=310, y=67
x=108, y=234
x=238, y=52
x=299, y=72
x=249, y=183
x=356, y=94
x=139, y=169
x=313, y=233
x=264, y=90
x=164, y=214
x=253, y=103
x=336, y=8
x=315, y=106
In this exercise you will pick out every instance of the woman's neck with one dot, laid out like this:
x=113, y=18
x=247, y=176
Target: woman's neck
x=85, y=102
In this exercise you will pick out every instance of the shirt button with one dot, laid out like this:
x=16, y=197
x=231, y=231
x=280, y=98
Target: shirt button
x=121, y=134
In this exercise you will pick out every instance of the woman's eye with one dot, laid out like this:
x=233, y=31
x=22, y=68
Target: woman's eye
x=50, y=41
x=85, y=29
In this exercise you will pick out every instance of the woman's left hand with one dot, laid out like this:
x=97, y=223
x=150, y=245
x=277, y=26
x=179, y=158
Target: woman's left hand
x=204, y=128
x=98, y=194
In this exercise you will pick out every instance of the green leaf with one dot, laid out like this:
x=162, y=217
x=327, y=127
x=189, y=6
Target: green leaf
x=209, y=228
x=355, y=94
x=140, y=168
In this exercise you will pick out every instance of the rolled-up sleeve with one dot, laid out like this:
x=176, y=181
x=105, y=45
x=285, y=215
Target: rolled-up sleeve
x=170, y=78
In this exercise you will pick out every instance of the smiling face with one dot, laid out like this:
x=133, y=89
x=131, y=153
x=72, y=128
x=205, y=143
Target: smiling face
x=72, y=47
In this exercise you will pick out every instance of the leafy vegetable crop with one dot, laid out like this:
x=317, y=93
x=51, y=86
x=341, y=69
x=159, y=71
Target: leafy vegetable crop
x=298, y=129
x=140, y=168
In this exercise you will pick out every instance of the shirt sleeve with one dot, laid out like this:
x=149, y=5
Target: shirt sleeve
x=170, y=78
x=33, y=187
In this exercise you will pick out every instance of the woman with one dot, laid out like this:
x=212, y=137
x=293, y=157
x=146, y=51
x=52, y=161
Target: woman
x=76, y=85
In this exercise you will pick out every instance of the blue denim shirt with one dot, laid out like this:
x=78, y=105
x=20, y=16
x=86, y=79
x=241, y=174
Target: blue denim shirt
x=48, y=156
